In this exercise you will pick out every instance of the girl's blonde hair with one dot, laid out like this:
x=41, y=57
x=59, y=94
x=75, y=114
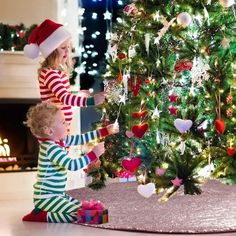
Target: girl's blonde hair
x=40, y=117
x=52, y=62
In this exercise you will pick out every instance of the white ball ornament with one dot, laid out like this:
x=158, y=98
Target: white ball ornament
x=184, y=19
x=227, y=3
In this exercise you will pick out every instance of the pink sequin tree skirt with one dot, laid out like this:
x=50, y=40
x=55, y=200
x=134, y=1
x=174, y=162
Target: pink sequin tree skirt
x=212, y=211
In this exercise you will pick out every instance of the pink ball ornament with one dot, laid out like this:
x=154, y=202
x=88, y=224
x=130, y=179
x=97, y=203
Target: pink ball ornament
x=227, y=3
x=130, y=9
x=184, y=19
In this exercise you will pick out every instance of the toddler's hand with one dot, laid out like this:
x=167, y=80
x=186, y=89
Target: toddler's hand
x=84, y=93
x=113, y=128
x=99, y=98
x=99, y=149
x=93, y=165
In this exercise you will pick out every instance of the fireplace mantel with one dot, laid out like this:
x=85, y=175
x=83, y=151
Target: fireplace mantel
x=18, y=76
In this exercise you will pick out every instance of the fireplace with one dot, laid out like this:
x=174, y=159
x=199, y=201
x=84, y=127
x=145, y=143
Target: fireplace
x=18, y=147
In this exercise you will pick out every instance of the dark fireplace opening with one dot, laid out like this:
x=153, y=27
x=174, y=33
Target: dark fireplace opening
x=15, y=135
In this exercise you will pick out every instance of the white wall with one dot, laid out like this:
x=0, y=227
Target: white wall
x=27, y=12
x=31, y=12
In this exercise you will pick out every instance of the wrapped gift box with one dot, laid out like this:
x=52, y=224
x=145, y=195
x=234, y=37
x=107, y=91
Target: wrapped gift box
x=125, y=176
x=92, y=216
x=129, y=179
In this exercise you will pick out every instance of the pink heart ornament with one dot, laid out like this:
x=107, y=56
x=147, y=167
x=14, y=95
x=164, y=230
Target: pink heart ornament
x=183, y=125
x=129, y=134
x=146, y=190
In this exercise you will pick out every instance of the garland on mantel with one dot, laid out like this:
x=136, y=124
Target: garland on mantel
x=14, y=37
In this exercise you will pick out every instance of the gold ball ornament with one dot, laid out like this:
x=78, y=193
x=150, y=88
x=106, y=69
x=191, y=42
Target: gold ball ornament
x=227, y=3
x=184, y=19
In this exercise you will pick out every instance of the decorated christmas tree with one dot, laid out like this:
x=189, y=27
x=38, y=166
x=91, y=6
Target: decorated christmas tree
x=170, y=81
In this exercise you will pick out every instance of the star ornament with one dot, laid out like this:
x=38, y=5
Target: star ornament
x=173, y=98
x=155, y=114
x=156, y=16
x=122, y=98
x=177, y=182
x=173, y=110
x=107, y=15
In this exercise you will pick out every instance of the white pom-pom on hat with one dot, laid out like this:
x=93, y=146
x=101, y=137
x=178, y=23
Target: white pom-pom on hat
x=31, y=51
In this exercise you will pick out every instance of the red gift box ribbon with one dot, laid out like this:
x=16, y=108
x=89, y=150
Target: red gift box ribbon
x=92, y=205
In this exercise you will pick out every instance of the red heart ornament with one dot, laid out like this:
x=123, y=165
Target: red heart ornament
x=140, y=130
x=220, y=126
x=139, y=114
x=231, y=151
x=131, y=164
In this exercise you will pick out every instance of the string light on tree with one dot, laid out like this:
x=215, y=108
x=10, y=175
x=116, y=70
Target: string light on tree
x=94, y=15
x=120, y=2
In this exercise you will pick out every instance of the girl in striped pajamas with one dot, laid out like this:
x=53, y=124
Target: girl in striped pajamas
x=47, y=122
x=53, y=41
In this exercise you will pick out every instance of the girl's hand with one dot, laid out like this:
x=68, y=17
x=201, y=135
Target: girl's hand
x=99, y=98
x=99, y=149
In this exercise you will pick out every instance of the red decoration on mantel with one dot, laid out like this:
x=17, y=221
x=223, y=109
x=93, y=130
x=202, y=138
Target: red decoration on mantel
x=220, y=126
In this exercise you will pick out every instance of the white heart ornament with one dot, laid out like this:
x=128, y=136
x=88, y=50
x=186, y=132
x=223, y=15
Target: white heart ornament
x=146, y=190
x=183, y=125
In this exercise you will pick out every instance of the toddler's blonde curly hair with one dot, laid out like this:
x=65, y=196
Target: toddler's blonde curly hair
x=40, y=117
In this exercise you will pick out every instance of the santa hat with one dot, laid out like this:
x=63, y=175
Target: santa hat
x=45, y=38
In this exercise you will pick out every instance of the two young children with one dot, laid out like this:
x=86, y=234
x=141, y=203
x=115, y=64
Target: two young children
x=49, y=121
